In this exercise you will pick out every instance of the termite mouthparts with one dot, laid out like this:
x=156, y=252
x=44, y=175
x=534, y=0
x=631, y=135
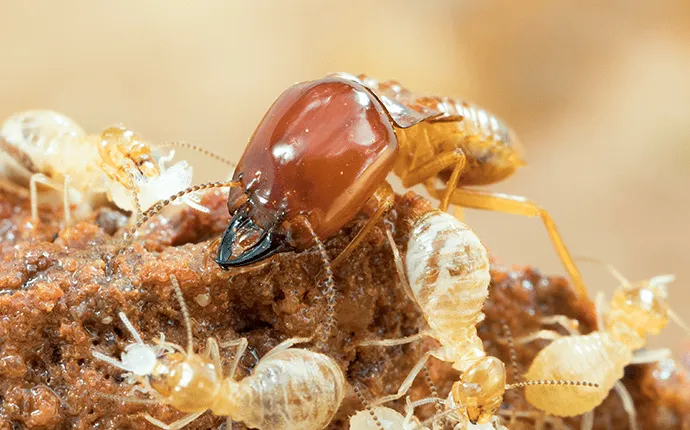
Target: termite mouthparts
x=243, y=231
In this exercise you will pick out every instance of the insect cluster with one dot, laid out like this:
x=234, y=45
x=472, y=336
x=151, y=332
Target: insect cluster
x=320, y=157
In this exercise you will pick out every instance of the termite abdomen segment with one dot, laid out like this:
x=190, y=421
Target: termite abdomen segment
x=448, y=271
x=244, y=242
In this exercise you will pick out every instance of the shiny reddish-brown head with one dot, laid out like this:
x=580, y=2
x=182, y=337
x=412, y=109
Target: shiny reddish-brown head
x=319, y=153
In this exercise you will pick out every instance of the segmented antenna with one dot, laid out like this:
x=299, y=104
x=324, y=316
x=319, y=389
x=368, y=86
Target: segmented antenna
x=513, y=354
x=153, y=210
x=199, y=149
x=552, y=382
x=367, y=405
x=329, y=288
x=432, y=388
x=185, y=313
x=135, y=194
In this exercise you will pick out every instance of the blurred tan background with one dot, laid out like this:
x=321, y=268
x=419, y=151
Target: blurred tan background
x=599, y=94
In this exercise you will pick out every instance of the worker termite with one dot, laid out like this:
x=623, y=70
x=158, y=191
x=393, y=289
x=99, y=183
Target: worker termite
x=289, y=389
x=57, y=153
x=636, y=310
x=448, y=272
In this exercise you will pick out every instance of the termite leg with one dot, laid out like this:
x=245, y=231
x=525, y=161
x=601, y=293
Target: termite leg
x=212, y=351
x=395, y=342
x=287, y=343
x=599, y=304
x=541, y=334
x=454, y=157
x=569, y=324
x=587, y=421
x=384, y=199
x=241, y=345
x=651, y=356
x=40, y=178
x=628, y=404
x=407, y=383
x=176, y=425
x=400, y=266
x=518, y=206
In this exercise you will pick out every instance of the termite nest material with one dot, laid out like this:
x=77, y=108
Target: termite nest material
x=61, y=292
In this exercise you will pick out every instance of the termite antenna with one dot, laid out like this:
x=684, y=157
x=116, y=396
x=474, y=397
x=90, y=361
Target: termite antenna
x=439, y=417
x=367, y=405
x=513, y=354
x=329, y=292
x=133, y=400
x=432, y=387
x=612, y=270
x=678, y=320
x=135, y=194
x=156, y=208
x=179, y=144
x=185, y=313
x=130, y=327
x=552, y=382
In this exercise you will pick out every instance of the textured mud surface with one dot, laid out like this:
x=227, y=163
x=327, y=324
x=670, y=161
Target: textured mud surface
x=61, y=290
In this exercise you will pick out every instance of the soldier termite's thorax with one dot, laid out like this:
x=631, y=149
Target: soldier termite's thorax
x=448, y=272
x=492, y=150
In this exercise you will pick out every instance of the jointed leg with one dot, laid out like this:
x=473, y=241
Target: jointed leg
x=287, y=343
x=518, y=206
x=399, y=266
x=395, y=342
x=541, y=334
x=176, y=424
x=385, y=199
x=40, y=178
x=569, y=324
x=628, y=404
x=454, y=157
x=587, y=421
x=407, y=383
x=651, y=356
x=241, y=345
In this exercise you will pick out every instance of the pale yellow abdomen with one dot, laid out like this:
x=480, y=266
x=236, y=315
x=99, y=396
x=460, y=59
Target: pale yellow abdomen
x=448, y=272
x=595, y=357
x=293, y=389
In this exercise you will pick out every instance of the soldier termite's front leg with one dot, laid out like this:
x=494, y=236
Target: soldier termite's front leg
x=383, y=199
x=518, y=206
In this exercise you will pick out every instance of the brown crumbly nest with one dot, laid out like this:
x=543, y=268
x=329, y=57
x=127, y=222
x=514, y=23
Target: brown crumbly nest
x=60, y=292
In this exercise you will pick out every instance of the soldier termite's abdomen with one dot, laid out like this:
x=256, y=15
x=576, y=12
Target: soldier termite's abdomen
x=595, y=357
x=448, y=271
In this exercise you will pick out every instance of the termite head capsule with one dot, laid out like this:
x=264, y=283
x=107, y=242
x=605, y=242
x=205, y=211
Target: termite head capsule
x=316, y=158
x=480, y=389
x=197, y=376
x=639, y=311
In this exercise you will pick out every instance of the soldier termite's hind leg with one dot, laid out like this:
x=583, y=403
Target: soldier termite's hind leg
x=452, y=158
x=518, y=206
x=628, y=404
x=384, y=199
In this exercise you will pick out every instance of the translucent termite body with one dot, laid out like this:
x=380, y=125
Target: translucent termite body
x=289, y=389
x=636, y=311
x=57, y=153
x=449, y=273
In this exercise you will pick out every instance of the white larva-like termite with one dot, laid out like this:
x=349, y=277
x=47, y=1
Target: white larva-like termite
x=289, y=389
x=58, y=153
x=636, y=310
x=449, y=274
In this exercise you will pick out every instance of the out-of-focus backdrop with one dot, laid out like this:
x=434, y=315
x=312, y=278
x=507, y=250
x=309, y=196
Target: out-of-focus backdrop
x=599, y=94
